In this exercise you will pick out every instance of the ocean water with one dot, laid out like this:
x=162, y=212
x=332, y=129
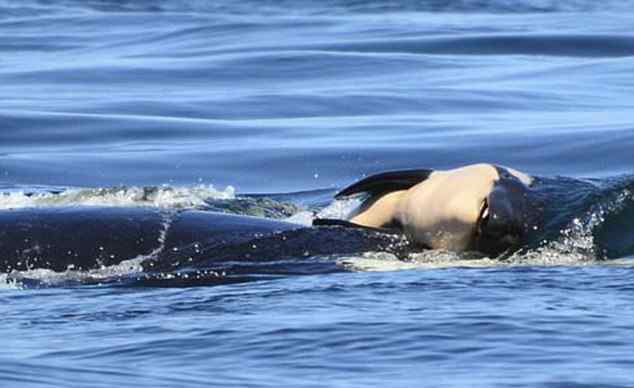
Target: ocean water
x=266, y=109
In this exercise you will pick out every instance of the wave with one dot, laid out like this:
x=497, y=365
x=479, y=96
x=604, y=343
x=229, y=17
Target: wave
x=40, y=8
x=554, y=45
x=123, y=196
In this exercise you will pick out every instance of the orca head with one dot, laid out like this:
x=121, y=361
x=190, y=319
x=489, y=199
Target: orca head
x=508, y=214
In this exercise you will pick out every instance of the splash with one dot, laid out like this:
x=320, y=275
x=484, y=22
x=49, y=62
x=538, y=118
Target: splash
x=578, y=241
x=437, y=259
x=385, y=262
x=340, y=209
x=304, y=218
x=253, y=206
x=155, y=196
x=37, y=278
x=337, y=209
x=8, y=283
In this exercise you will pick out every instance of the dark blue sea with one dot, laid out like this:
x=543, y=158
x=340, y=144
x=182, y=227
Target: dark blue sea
x=266, y=109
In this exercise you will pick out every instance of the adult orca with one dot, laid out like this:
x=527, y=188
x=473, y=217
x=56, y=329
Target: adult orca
x=481, y=207
x=85, y=238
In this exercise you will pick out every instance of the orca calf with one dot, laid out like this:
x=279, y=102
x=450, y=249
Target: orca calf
x=481, y=207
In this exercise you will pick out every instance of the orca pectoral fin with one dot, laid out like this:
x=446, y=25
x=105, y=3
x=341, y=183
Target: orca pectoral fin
x=386, y=182
x=348, y=224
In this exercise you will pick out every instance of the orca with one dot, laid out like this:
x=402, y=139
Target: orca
x=84, y=238
x=480, y=207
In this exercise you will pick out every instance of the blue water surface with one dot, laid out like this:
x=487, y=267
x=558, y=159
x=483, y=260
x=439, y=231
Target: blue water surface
x=294, y=99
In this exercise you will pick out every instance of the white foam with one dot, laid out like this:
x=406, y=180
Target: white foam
x=577, y=243
x=435, y=259
x=7, y=283
x=49, y=278
x=431, y=259
x=156, y=196
x=301, y=218
x=340, y=209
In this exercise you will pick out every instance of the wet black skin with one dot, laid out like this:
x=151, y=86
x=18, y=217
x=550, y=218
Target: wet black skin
x=85, y=238
x=512, y=212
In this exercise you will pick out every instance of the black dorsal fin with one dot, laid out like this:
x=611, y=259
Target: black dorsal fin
x=386, y=182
